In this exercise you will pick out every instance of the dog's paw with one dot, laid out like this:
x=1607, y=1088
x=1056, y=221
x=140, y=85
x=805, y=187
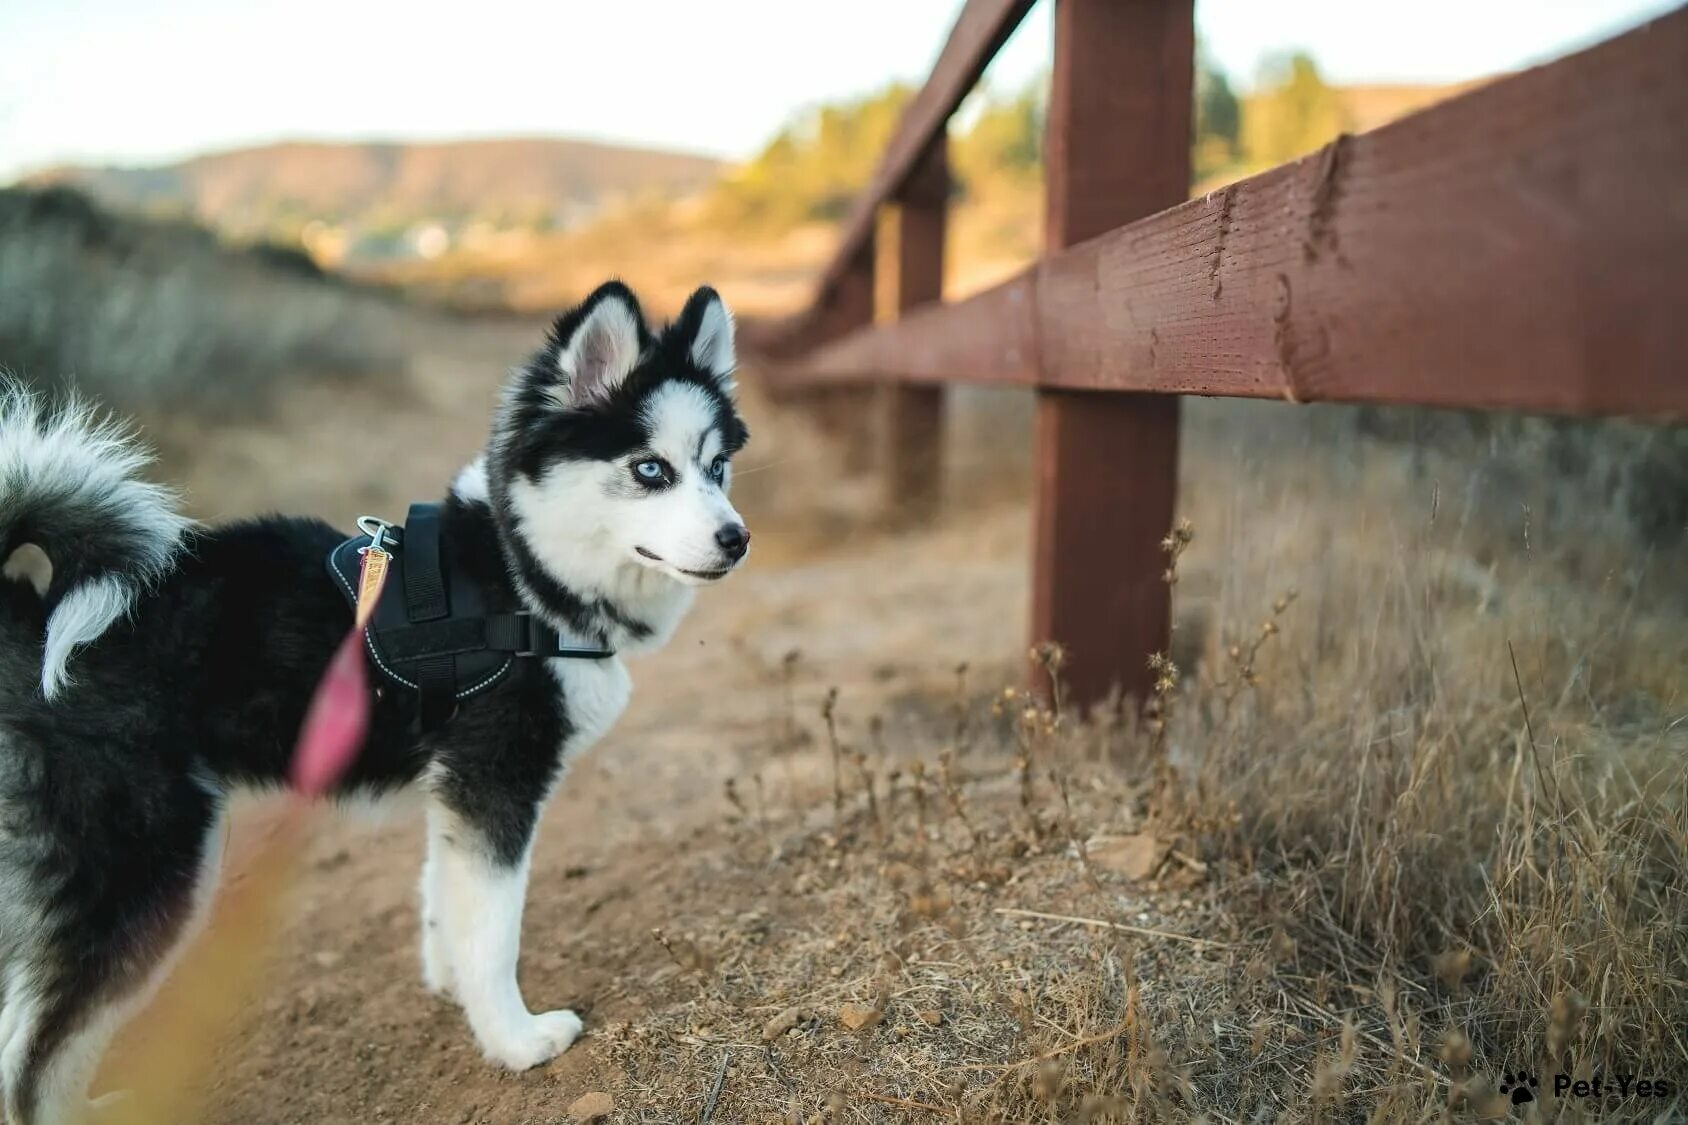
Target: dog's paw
x=548, y=1036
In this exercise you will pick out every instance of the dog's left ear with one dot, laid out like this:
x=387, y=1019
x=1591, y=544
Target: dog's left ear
x=705, y=330
x=598, y=344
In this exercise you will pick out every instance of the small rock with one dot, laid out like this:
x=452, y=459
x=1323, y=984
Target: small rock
x=591, y=1107
x=782, y=1023
x=330, y=862
x=1136, y=857
x=857, y=1016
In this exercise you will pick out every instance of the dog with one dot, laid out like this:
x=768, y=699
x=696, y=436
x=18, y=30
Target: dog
x=150, y=666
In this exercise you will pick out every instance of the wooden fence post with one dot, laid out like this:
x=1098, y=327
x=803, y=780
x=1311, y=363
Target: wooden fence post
x=847, y=411
x=1117, y=149
x=913, y=415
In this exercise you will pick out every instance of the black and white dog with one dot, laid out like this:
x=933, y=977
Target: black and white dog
x=149, y=666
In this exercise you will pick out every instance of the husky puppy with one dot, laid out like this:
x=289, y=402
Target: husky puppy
x=150, y=665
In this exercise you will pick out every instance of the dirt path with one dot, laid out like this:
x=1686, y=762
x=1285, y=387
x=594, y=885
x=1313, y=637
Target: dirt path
x=343, y=1031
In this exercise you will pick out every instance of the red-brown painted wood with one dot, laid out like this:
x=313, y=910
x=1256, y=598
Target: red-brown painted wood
x=1107, y=465
x=1518, y=247
x=844, y=411
x=914, y=414
x=1103, y=497
x=979, y=32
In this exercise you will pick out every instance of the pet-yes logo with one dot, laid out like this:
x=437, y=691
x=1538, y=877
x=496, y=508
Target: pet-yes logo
x=1521, y=1087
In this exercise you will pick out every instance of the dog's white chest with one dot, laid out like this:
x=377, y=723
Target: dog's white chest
x=595, y=692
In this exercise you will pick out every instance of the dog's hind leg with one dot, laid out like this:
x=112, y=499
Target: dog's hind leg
x=50, y=1057
x=479, y=886
x=71, y=987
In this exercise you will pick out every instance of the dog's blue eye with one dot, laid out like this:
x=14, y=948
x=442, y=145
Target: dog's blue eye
x=718, y=469
x=653, y=471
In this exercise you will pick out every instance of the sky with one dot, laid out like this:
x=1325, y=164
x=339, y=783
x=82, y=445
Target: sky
x=130, y=82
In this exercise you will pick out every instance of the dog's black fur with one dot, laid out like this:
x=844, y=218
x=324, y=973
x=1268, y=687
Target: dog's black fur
x=110, y=791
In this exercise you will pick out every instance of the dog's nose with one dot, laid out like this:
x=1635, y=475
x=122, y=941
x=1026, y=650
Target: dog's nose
x=734, y=539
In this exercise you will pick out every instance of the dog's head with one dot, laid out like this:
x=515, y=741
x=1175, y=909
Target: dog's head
x=614, y=448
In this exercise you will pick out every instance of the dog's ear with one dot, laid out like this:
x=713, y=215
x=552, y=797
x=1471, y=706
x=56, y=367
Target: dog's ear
x=598, y=344
x=705, y=330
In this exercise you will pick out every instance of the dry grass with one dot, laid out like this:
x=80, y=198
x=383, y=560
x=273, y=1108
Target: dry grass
x=158, y=315
x=1415, y=818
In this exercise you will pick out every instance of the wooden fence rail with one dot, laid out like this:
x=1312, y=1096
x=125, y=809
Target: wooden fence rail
x=1523, y=246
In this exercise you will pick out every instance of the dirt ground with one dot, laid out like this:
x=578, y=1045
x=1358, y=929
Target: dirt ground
x=342, y=1030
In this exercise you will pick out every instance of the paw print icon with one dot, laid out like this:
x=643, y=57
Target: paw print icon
x=1521, y=1087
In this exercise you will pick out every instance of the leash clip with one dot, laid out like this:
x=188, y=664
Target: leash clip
x=376, y=528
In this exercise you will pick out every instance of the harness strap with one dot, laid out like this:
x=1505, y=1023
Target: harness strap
x=521, y=634
x=424, y=601
x=424, y=577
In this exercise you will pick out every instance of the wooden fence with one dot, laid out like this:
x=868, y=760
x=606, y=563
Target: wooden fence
x=1523, y=247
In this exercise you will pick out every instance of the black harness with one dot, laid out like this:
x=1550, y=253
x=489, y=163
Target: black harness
x=432, y=637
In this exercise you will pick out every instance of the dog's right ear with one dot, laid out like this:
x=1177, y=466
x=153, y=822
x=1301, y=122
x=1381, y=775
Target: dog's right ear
x=598, y=344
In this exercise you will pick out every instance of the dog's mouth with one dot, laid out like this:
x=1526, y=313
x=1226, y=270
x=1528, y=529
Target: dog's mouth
x=700, y=575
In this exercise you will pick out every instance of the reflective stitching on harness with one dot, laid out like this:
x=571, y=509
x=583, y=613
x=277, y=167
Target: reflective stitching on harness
x=369, y=645
x=473, y=688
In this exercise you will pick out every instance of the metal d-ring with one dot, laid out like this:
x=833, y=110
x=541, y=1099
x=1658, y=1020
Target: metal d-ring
x=376, y=528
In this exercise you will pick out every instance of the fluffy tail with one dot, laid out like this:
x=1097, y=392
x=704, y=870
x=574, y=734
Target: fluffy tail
x=76, y=523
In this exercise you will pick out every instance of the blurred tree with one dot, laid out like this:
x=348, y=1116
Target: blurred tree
x=1004, y=145
x=1294, y=113
x=1218, y=120
x=816, y=166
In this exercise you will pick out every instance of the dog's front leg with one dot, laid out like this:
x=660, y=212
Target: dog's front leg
x=476, y=901
x=436, y=955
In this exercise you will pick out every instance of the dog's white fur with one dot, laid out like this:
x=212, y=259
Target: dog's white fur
x=471, y=484
x=29, y=563
x=82, y=616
